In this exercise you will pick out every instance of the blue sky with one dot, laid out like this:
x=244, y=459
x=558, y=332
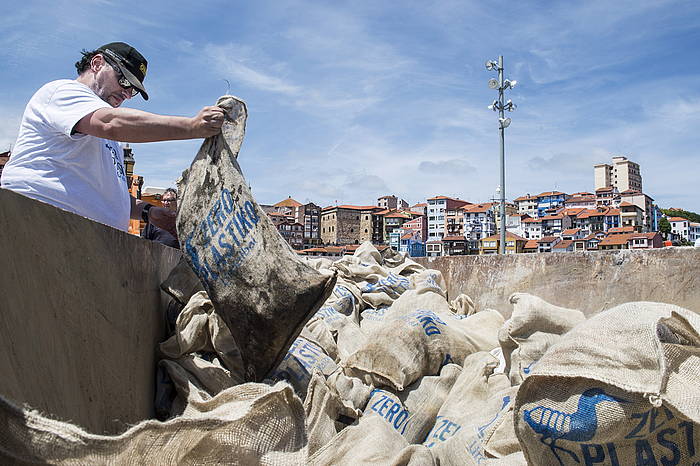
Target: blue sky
x=349, y=101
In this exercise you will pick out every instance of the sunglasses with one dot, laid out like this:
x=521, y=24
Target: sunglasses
x=123, y=82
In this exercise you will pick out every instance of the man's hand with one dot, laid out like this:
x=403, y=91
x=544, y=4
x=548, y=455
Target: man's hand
x=207, y=122
x=163, y=218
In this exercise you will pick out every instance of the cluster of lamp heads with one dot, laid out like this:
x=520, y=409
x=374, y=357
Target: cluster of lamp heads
x=496, y=84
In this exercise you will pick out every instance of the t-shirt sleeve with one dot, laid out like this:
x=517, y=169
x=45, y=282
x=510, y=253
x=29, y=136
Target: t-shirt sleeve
x=68, y=104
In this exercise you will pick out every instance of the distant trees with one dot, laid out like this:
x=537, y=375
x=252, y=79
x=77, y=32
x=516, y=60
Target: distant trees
x=692, y=216
x=664, y=227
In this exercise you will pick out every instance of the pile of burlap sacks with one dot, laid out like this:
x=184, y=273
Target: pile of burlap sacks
x=366, y=360
x=390, y=371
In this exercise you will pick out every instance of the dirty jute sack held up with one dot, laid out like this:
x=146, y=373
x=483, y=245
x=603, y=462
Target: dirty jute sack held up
x=621, y=388
x=260, y=287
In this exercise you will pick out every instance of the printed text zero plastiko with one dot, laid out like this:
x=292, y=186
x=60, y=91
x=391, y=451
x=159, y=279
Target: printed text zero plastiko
x=224, y=239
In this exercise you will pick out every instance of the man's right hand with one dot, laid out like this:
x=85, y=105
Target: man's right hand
x=207, y=122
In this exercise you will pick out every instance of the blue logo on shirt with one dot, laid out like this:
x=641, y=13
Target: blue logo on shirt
x=117, y=163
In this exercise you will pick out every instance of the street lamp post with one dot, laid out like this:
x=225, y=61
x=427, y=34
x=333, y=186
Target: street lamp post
x=499, y=105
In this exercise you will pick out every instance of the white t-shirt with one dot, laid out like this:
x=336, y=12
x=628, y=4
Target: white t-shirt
x=76, y=172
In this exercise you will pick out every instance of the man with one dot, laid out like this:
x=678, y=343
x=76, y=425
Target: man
x=152, y=232
x=66, y=152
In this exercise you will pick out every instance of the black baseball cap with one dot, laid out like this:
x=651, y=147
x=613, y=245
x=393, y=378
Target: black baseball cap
x=131, y=63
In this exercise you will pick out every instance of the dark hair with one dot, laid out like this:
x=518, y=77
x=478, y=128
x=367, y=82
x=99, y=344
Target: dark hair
x=83, y=64
x=169, y=190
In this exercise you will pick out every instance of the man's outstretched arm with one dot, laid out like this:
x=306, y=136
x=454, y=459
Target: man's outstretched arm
x=131, y=125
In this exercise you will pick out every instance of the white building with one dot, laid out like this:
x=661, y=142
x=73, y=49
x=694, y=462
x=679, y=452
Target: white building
x=680, y=227
x=623, y=174
x=533, y=228
x=437, y=208
x=479, y=222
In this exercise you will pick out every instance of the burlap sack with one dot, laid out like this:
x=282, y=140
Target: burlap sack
x=474, y=415
x=463, y=305
x=195, y=378
x=247, y=424
x=621, y=388
x=350, y=390
x=375, y=442
x=533, y=327
x=200, y=329
x=326, y=413
x=415, y=343
x=412, y=412
x=371, y=319
x=302, y=360
x=259, y=286
x=182, y=283
x=381, y=290
x=317, y=332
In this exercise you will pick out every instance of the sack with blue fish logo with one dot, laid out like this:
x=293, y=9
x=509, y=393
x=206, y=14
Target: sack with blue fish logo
x=621, y=388
x=412, y=412
x=533, y=327
x=474, y=423
x=259, y=286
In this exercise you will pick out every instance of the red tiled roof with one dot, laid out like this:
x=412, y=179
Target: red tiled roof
x=397, y=215
x=547, y=239
x=352, y=207
x=570, y=231
x=525, y=198
x=615, y=239
x=678, y=219
x=550, y=193
x=532, y=220
x=289, y=202
x=407, y=236
x=563, y=244
x=531, y=244
x=618, y=230
x=572, y=211
x=604, y=190
x=552, y=217
x=443, y=197
x=454, y=238
x=509, y=235
x=476, y=208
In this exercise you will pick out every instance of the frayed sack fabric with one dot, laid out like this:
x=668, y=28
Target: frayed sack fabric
x=533, y=327
x=621, y=388
x=247, y=424
x=259, y=286
x=412, y=412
